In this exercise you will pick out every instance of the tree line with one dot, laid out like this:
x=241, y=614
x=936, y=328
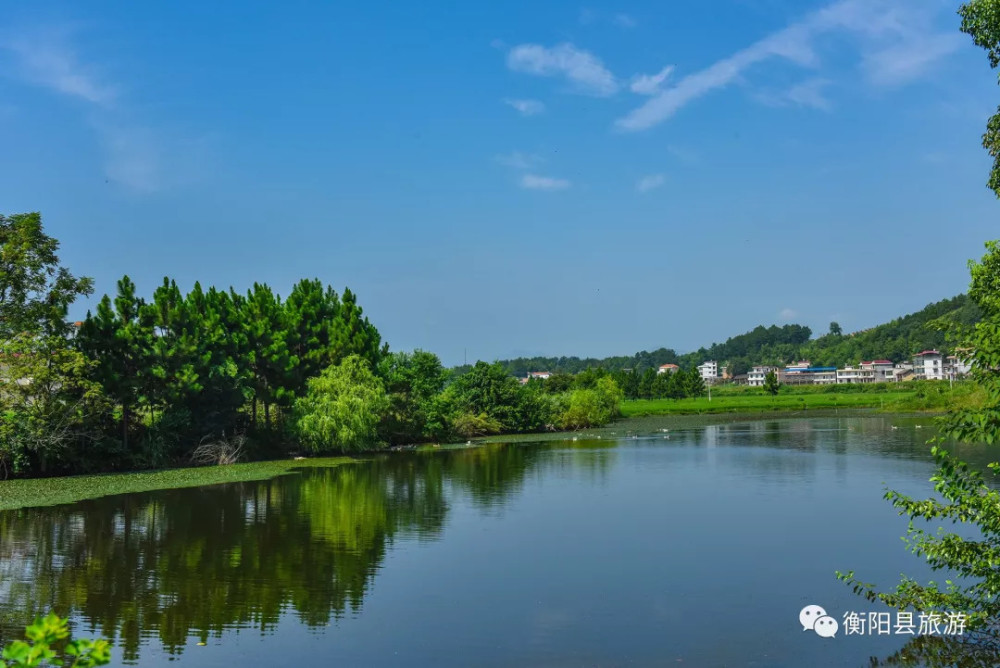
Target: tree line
x=896, y=340
x=147, y=382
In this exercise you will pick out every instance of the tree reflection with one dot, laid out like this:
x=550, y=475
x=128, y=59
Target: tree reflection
x=178, y=563
x=975, y=649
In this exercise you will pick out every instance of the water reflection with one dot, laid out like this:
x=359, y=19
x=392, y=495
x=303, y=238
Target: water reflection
x=973, y=650
x=193, y=562
x=165, y=567
x=177, y=563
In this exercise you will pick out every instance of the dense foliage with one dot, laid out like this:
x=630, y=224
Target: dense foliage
x=43, y=637
x=213, y=375
x=342, y=408
x=652, y=385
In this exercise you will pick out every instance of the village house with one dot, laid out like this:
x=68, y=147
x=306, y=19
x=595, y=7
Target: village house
x=757, y=375
x=956, y=366
x=928, y=365
x=668, y=368
x=709, y=371
x=803, y=373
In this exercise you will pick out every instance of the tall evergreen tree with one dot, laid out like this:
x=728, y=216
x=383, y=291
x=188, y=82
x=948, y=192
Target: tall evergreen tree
x=119, y=339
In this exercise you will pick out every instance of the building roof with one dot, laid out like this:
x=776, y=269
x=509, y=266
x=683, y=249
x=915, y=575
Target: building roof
x=669, y=366
x=927, y=352
x=813, y=369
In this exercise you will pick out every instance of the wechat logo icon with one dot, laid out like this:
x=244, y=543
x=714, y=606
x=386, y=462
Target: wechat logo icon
x=814, y=618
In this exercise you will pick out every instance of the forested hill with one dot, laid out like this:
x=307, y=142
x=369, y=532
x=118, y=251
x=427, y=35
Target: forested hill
x=897, y=340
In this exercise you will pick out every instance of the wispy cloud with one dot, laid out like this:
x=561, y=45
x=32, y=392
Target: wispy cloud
x=135, y=155
x=48, y=61
x=582, y=69
x=518, y=160
x=651, y=182
x=625, y=21
x=787, y=313
x=897, y=42
x=535, y=182
x=525, y=107
x=649, y=84
x=809, y=93
x=905, y=62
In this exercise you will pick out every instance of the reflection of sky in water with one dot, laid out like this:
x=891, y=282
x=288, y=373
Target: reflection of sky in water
x=699, y=544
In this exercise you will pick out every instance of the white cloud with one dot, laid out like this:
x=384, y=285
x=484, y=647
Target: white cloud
x=897, y=41
x=625, y=21
x=136, y=156
x=788, y=313
x=649, y=84
x=651, y=182
x=905, y=62
x=46, y=60
x=809, y=93
x=518, y=160
x=526, y=107
x=583, y=69
x=534, y=182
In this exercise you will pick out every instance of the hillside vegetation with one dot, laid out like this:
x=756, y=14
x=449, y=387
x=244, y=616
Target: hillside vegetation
x=897, y=340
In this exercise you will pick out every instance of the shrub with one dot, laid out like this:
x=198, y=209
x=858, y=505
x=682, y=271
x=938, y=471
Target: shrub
x=38, y=652
x=342, y=408
x=468, y=425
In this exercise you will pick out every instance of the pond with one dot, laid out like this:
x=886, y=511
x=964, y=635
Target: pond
x=694, y=547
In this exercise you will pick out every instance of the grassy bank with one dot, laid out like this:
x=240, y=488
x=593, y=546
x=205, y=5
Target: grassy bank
x=932, y=397
x=55, y=491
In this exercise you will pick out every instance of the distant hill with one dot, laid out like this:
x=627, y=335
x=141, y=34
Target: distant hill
x=897, y=340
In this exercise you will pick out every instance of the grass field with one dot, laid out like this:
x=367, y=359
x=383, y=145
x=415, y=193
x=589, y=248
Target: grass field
x=54, y=491
x=911, y=397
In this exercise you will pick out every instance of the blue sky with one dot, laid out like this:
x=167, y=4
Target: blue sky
x=513, y=178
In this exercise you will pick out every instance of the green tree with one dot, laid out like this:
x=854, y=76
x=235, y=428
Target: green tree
x=693, y=383
x=965, y=497
x=771, y=384
x=270, y=363
x=592, y=407
x=35, y=291
x=412, y=381
x=646, y=383
x=50, y=408
x=488, y=390
x=342, y=408
x=981, y=21
x=835, y=329
x=119, y=339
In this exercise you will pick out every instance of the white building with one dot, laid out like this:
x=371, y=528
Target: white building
x=757, y=375
x=956, y=366
x=929, y=365
x=881, y=370
x=539, y=375
x=709, y=371
x=852, y=374
x=876, y=371
x=668, y=368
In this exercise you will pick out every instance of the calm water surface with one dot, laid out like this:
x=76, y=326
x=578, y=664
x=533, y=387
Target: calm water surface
x=694, y=550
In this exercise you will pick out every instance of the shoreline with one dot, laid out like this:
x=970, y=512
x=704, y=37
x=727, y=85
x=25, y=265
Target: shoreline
x=26, y=493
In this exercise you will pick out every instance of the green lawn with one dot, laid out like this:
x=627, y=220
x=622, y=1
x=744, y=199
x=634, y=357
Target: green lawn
x=54, y=491
x=931, y=397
